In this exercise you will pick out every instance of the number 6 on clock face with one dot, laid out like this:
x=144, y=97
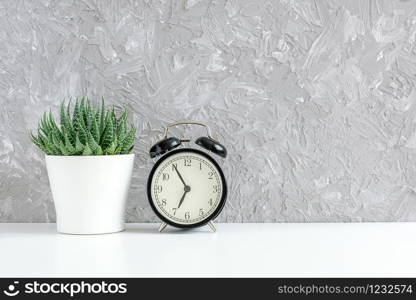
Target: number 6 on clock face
x=187, y=188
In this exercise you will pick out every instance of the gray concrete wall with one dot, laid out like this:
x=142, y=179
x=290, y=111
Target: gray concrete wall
x=314, y=99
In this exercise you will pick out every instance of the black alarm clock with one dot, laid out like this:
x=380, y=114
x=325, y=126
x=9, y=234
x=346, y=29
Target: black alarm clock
x=186, y=186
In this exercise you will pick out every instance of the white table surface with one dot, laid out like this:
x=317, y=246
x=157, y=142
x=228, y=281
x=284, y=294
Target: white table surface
x=235, y=250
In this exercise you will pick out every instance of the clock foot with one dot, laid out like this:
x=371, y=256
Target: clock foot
x=212, y=226
x=162, y=226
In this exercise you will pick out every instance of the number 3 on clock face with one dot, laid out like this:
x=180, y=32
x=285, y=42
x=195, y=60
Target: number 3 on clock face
x=187, y=188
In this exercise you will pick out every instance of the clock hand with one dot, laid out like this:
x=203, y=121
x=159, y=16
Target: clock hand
x=180, y=176
x=187, y=189
x=183, y=197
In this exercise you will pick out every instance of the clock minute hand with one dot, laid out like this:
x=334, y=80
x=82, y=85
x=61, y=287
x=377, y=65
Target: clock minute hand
x=180, y=176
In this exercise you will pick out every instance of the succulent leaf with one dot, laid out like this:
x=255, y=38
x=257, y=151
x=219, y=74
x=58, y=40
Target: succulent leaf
x=66, y=124
x=108, y=135
x=68, y=143
x=98, y=151
x=111, y=149
x=91, y=142
x=95, y=131
x=79, y=147
x=102, y=117
x=128, y=140
x=87, y=150
x=84, y=129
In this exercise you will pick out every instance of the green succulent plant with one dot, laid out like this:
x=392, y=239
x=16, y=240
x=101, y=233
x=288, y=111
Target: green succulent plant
x=85, y=129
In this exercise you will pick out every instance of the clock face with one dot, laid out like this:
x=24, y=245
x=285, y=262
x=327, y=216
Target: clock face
x=186, y=188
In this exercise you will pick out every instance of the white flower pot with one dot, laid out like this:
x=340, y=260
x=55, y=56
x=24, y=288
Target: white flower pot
x=90, y=192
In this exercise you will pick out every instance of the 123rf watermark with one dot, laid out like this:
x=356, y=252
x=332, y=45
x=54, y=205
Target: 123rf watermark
x=366, y=289
x=71, y=289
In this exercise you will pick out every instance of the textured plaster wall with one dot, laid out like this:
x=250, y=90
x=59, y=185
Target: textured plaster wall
x=314, y=99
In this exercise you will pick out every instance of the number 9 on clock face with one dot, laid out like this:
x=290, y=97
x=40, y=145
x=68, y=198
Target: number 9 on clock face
x=187, y=188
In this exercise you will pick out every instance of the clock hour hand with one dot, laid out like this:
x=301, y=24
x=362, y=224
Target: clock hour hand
x=183, y=197
x=179, y=174
x=187, y=189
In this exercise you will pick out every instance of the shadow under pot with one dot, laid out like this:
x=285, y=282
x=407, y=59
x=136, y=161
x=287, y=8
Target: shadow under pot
x=90, y=192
